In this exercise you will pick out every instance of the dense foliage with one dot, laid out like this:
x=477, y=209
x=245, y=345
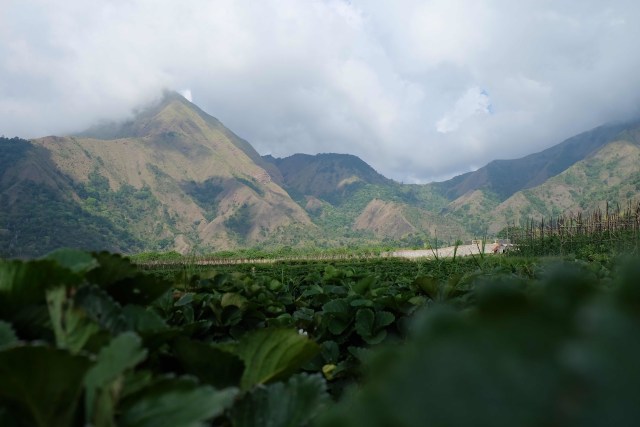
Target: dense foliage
x=87, y=338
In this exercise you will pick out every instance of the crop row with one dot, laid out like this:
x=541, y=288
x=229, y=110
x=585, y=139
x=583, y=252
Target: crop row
x=89, y=339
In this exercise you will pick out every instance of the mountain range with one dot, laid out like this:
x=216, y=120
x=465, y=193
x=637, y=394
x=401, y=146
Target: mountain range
x=175, y=178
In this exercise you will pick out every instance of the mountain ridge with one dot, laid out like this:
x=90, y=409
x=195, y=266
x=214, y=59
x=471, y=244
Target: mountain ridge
x=175, y=178
x=161, y=162
x=506, y=177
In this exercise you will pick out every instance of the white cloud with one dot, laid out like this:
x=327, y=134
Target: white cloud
x=475, y=102
x=397, y=83
x=187, y=94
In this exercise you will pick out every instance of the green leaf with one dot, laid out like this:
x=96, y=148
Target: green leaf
x=173, y=402
x=8, y=336
x=337, y=315
x=330, y=352
x=272, y=354
x=376, y=338
x=383, y=318
x=289, y=404
x=313, y=290
x=73, y=259
x=337, y=326
x=71, y=326
x=113, y=269
x=134, y=382
x=233, y=299
x=41, y=386
x=124, y=282
x=275, y=285
x=304, y=314
x=184, y=300
x=23, y=284
x=429, y=285
x=101, y=308
x=211, y=365
x=360, y=302
x=337, y=306
x=102, y=388
x=143, y=320
x=364, y=284
x=365, y=319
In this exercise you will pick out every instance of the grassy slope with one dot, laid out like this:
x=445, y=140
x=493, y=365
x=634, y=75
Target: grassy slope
x=39, y=211
x=611, y=175
x=603, y=166
x=150, y=178
x=506, y=177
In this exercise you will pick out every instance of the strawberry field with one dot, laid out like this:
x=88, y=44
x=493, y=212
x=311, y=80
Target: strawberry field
x=92, y=339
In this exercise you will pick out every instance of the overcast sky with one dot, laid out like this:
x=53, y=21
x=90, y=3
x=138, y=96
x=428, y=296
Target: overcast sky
x=421, y=90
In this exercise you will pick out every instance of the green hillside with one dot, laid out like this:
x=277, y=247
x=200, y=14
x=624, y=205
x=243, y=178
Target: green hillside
x=612, y=175
x=173, y=178
x=506, y=177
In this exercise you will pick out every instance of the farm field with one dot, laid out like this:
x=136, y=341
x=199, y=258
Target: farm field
x=325, y=213
x=352, y=342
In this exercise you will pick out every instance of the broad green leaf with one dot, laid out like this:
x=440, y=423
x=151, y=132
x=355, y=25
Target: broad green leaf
x=8, y=336
x=417, y=300
x=370, y=325
x=304, y=314
x=336, y=290
x=102, y=309
x=337, y=306
x=73, y=259
x=275, y=285
x=71, y=326
x=337, y=326
x=313, y=290
x=282, y=320
x=383, y=318
x=174, y=402
x=231, y=315
x=211, y=365
x=134, y=382
x=141, y=289
x=605, y=357
x=272, y=354
x=330, y=351
x=113, y=269
x=23, y=284
x=41, y=386
x=33, y=323
x=365, y=319
x=184, y=300
x=124, y=282
x=429, y=285
x=330, y=272
x=102, y=386
x=337, y=315
x=363, y=285
x=142, y=320
x=290, y=404
x=233, y=299
x=361, y=302
x=376, y=338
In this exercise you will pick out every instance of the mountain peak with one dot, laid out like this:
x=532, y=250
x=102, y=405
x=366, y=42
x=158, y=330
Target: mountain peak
x=326, y=175
x=170, y=110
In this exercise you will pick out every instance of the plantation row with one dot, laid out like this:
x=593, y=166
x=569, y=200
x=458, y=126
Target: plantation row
x=90, y=339
x=597, y=232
